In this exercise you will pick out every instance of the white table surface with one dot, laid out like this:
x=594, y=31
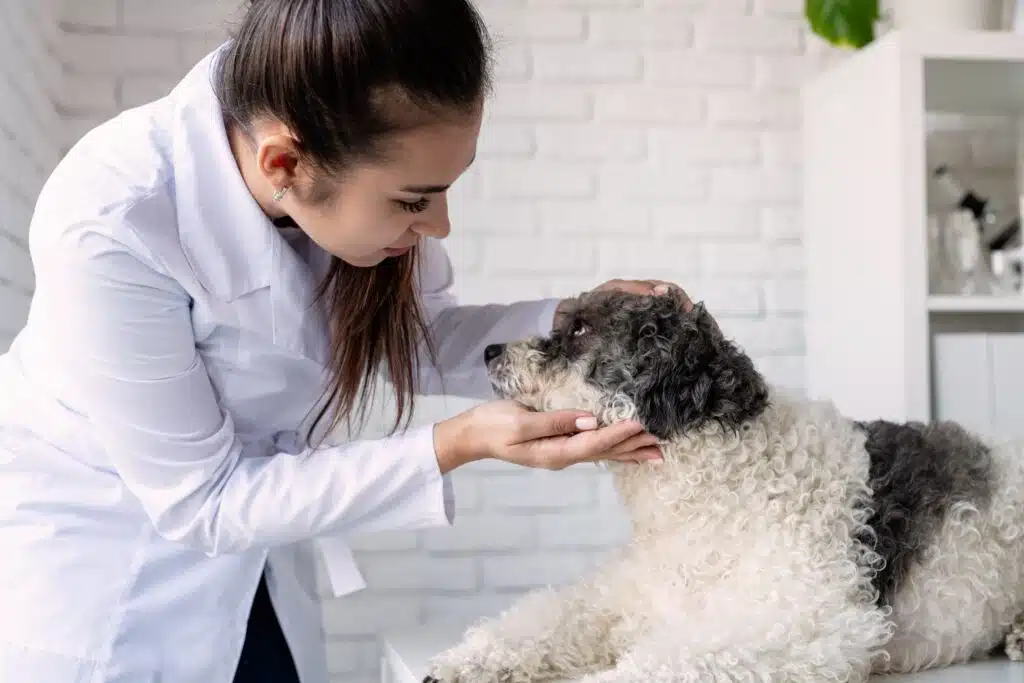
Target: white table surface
x=405, y=654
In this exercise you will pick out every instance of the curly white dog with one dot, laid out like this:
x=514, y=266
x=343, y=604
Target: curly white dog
x=778, y=541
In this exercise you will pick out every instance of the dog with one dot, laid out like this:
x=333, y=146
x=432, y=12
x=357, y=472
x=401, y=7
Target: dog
x=777, y=541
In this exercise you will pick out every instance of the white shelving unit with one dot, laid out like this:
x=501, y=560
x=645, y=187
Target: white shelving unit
x=970, y=305
x=877, y=343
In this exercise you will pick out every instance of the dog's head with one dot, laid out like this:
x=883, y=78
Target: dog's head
x=623, y=355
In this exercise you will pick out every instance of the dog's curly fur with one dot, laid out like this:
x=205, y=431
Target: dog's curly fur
x=778, y=541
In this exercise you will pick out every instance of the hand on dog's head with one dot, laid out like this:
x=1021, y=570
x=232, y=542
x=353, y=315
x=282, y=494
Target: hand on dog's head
x=623, y=355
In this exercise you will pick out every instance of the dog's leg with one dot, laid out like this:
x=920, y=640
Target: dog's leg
x=1014, y=642
x=836, y=642
x=666, y=661
x=563, y=633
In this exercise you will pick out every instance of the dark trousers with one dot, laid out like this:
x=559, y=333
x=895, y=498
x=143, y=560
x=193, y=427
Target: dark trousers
x=265, y=654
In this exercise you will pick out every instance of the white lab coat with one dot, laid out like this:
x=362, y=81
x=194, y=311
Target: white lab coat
x=150, y=409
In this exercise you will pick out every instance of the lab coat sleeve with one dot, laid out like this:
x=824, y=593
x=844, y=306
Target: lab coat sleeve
x=461, y=333
x=122, y=336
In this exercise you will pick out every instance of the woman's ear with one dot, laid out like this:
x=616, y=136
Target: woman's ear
x=277, y=157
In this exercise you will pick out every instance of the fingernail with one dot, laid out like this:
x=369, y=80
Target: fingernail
x=661, y=289
x=586, y=423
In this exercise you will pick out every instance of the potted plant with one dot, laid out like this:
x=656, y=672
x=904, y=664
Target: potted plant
x=852, y=23
x=843, y=23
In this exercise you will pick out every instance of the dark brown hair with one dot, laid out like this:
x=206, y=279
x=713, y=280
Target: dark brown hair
x=344, y=75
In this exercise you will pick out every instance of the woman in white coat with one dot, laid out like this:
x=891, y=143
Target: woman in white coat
x=220, y=276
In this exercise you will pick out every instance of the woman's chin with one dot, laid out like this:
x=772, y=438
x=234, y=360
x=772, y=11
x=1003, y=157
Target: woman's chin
x=373, y=258
x=364, y=261
x=394, y=253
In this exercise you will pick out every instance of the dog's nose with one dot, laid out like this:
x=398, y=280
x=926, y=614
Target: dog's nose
x=493, y=351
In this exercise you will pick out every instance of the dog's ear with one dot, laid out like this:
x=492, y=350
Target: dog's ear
x=688, y=373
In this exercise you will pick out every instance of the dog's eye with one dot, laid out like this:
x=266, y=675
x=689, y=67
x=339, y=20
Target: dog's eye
x=579, y=328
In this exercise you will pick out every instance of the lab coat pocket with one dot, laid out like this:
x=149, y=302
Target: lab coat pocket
x=252, y=365
x=279, y=322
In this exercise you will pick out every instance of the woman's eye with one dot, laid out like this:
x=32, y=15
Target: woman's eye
x=414, y=207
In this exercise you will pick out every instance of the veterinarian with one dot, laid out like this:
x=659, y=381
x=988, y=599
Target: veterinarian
x=166, y=413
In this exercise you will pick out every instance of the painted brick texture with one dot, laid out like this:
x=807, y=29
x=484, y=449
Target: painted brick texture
x=626, y=138
x=29, y=125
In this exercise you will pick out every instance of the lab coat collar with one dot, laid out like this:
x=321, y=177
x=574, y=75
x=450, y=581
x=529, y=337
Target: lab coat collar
x=232, y=246
x=227, y=238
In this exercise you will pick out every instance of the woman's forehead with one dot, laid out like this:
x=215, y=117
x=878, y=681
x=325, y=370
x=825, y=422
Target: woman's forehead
x=430, y=158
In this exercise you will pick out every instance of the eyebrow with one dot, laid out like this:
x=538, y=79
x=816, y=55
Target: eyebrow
x=431, y=189
x=424, y=189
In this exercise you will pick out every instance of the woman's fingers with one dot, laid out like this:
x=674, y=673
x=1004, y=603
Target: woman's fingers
x=661, y=287
x=558, y=439
x=592, y=445
x=637, y=449
x=646, y=287
x=562, y=451
x=554, y=423
x=633, y=444
x=636, y=286
x=650, y=453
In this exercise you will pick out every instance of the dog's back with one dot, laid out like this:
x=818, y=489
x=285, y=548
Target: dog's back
x=947, y=518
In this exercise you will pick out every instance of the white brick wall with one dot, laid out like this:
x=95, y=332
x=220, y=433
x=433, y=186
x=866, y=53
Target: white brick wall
x=627, y=138
x=122, y=53
x=29, y=125
x=630, y=139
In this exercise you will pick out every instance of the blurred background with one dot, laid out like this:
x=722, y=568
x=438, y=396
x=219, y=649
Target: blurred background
x=626, y=138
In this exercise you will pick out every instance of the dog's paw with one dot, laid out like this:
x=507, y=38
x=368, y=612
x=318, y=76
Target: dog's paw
x=469, y=672
x=1014, y=642
x=474, y=662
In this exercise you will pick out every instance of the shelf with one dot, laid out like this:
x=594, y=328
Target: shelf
x=990, y=46
x=968, y=72
x=863, y=134
x=976, y=304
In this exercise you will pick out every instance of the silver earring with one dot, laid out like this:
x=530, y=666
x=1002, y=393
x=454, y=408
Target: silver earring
x=280, y=194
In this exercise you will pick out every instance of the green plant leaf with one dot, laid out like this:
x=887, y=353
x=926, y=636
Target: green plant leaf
x=844, y=23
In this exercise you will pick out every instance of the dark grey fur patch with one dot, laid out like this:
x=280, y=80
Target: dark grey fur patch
x=918, y=472
x=676, y=365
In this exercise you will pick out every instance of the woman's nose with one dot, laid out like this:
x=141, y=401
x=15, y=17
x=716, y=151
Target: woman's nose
x=434, y=222
x=433, y=228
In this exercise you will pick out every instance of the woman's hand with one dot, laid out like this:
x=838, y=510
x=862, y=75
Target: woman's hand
x=504, y=430
x=648, y=287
